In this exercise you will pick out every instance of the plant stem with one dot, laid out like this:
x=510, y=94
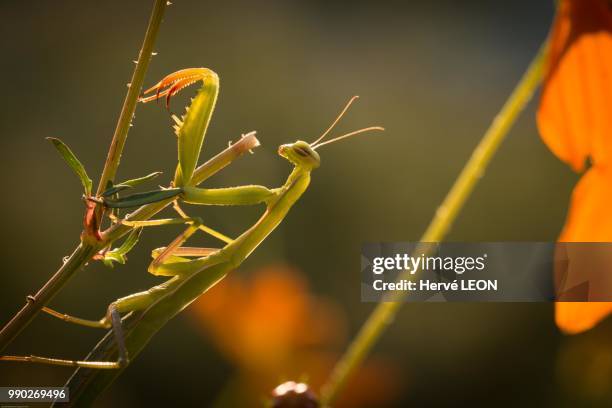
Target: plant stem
x=131, y=99
x=86, y=250
x=76, y=261
x=385, y=311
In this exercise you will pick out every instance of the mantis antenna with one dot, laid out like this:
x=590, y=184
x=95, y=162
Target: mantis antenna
x=317, y=143
x=350, y=102
x=356, y=132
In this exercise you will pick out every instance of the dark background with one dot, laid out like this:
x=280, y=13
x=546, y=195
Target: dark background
x=433, y=73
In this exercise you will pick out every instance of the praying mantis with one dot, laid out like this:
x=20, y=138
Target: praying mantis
x=192, y=271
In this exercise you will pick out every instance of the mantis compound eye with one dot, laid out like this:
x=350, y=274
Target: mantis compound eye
x=301, y=152
x=293, y=395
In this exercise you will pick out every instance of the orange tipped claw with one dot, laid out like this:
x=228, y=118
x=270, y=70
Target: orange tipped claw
x=171, y=84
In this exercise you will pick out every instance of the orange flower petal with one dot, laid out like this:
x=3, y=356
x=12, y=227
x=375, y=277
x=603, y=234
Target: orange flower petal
x=575, y=318
x=574, y=116
x=575, y=122
x=588, y=221
x=590, y=214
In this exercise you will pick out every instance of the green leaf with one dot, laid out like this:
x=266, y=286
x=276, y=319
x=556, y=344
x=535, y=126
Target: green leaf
x=129, y=243
x=110, y=259
x=115, y=189
x=114, y=257
x=136, y=200
x=73, y=162
x=118, y=254
x=124, y=185
x=140, y=180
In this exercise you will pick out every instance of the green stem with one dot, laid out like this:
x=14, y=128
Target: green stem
x=76, y=261
x=385, y=311
x=86, y=250
x=131, y=99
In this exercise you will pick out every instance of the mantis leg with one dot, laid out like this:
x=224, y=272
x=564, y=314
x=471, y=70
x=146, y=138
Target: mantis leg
x=157, y=223
x=203, y=227
x=102, y=324
x=115, y=322
x=242, y=195
x=182, y=252
x=171, y=261
x=183, y=220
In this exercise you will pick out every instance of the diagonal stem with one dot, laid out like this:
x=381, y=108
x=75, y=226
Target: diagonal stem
x=81, y=255
x=131, y=99
x=385, y=311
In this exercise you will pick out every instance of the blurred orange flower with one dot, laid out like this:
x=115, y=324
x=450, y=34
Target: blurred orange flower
x=274, y=330
x=575, y=121
x=259, y=323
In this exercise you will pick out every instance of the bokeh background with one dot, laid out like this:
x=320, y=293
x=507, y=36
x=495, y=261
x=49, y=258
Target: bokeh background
x=433, y=73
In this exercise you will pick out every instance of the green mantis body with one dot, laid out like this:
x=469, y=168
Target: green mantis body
x=189, y=278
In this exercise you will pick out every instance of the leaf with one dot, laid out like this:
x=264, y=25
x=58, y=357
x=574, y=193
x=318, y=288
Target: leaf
x=129, y=243
x=115, y=189
x=73, y=162
x=119, y=254
x=140, y=180
x=110, y=258
x=124, y=185
x=136, y=200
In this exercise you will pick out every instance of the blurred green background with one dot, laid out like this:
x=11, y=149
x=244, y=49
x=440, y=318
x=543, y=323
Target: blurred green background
x=433, y=73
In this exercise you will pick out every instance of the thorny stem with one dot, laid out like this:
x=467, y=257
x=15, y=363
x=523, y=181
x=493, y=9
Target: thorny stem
x=384, y=313
x=81, y=255
x=131, y=99
x=85, y=251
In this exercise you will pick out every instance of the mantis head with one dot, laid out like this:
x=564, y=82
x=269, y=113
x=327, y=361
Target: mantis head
x=304, y=154
x=300, y=154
